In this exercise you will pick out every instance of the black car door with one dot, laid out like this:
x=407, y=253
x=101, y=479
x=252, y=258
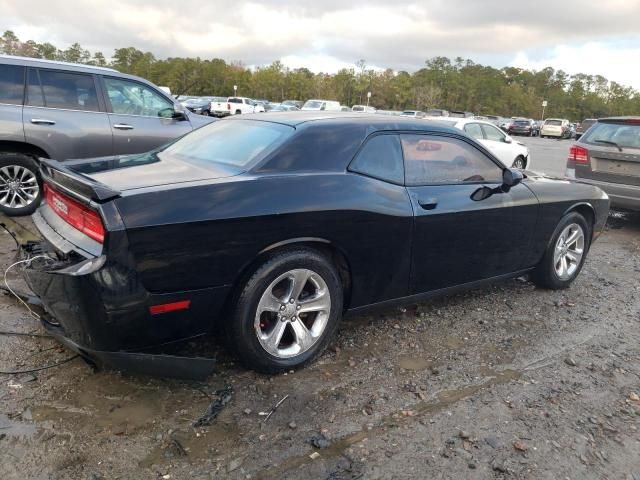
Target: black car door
x=457, y=239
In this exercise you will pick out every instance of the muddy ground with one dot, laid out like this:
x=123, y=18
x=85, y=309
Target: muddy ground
x=509, y=381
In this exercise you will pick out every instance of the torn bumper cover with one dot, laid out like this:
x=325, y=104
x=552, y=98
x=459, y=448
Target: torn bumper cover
x=98, y=308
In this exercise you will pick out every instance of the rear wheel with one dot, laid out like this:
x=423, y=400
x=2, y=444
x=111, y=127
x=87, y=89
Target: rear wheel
x=20, y=184
x=238, y=112
x=565, y=254
x=287, y=312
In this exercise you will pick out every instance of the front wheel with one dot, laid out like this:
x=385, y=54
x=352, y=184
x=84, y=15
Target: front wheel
x=20, y=184
x=565, y=254
x=519, y=163
x=287, y=312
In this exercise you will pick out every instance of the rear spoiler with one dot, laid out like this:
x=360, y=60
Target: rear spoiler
x=75, y=183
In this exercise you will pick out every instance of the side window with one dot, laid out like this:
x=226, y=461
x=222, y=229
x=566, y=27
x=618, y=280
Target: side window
x=11, y=84
x=35, y=98
x=492, y=133
x=381, y=157
x=433, y=160
x=474, y=130
x=247, y=101
x=132, y=98
x=72, y=91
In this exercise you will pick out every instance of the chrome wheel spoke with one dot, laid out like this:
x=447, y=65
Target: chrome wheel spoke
x=319, y=303
x=269, y=303
x=303, y=337
x=273, y=339
x=298, y=279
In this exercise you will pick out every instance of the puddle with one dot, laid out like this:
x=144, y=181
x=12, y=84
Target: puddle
x=442, y=400
x=12, y=429
x=410, y=362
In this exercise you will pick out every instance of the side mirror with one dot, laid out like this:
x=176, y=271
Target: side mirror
x=510, y=178
x=507, y=139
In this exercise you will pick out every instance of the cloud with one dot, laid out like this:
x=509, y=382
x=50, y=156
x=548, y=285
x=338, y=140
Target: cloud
x=333, y=33
x=614, y=61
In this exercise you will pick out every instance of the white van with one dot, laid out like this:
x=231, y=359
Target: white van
x=329, y=105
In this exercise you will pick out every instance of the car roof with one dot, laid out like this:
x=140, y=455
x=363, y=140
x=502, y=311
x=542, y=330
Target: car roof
x=44, y=63
x=459, y=120
x=374, y=121
x=74, y=67
x=617, y=119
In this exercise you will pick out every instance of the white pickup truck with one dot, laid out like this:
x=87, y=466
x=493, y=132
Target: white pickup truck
x=235, y=106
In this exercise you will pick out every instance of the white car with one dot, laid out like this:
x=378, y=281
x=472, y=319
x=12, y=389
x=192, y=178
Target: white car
x=556, y=127
x=510, y=152
x=328, y=105
x=363, y=109
x=239, y=105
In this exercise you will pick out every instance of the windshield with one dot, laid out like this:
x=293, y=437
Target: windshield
x=556, y=123
x=623, y=135
x=313, y=104
x=234, y=142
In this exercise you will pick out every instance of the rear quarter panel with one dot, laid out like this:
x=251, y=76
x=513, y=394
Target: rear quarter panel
x=205, y=236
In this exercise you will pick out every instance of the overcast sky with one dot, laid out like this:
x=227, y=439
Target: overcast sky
x=597, y=37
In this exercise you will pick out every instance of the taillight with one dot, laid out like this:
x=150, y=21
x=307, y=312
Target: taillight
x=77, y=215
x=578, y=154
x=229, y=106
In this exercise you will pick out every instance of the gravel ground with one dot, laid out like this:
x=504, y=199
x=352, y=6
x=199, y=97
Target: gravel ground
x=510, y=381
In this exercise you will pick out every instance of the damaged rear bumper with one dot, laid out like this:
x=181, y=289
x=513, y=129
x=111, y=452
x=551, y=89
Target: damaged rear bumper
x=98, y=307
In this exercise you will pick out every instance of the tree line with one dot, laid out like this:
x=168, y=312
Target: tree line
x=452, y=84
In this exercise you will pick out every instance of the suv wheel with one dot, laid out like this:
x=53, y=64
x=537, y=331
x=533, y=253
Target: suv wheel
x=20, y=184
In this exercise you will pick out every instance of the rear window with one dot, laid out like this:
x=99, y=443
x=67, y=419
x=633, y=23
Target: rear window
x=72, y=91
x=624, y=135
x=236, y=142
x=11, y=84
x=235, y=100
x=313, y=104
x=553, y=122
x=521, y=123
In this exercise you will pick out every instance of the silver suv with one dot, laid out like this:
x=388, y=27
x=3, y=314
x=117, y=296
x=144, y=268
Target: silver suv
x=608, y=156
x=62, y=111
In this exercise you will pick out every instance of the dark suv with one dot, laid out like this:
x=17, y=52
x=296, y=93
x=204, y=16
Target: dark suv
x=62, y=111
x=608, y=155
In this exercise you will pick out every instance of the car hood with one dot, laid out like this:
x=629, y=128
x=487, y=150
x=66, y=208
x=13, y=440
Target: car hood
x=129, y=172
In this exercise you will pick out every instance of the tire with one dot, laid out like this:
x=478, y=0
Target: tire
x=238, y=112
x=547, y=273
x=519, y=163
x=263, y=309
x=206, y=113
x=23, y=197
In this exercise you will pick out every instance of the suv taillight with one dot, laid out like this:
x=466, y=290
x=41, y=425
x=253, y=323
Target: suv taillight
x=578, y=154
x=229, y=106
x=77, y=215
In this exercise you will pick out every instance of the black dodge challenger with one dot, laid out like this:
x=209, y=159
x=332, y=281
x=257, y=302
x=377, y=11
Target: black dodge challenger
x=269, y=230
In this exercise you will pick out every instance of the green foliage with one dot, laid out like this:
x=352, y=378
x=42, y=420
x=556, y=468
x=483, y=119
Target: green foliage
x=458, y=84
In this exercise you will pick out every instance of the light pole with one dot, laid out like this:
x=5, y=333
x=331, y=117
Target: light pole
x=368, y=97
x=235, y=90
x=544, y=104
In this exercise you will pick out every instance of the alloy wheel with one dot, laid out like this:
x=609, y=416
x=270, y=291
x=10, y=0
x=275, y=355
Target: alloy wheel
x=292, y=313
x=18, y=186
x=568, y=251
x=519, y=163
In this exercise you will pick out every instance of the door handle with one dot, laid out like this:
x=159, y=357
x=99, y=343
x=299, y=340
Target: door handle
x=122, y=126
x=42, y=121
x=428, y=203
